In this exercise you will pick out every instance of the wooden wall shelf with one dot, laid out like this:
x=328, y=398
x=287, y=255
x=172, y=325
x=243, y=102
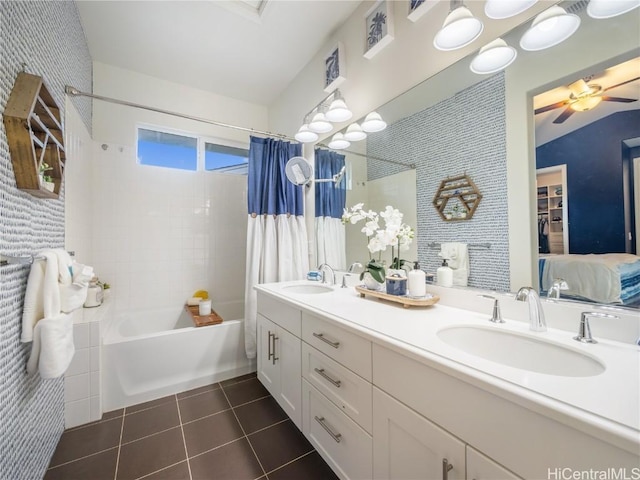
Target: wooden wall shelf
x=35, y=135
x=457, y=198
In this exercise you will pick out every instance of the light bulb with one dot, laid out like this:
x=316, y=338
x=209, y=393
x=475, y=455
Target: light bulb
x=610, y=8
x=304, y=135
x=355, y=133
x=319, y=124
x=493, y=57
x=373, y=123
x=338, y=111
x=499, y=9
x=550, y=28
x=338, y=142
x=460, y=28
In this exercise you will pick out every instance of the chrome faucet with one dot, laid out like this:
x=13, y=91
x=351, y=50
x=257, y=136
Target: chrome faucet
x=355, y=268
x=537, y=322
x=558, y=285
x=321, y=269
x=496, y=316
x=584, y=333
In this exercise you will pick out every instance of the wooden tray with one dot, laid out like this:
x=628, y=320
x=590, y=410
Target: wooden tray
x=202, y=320
x=402, y=299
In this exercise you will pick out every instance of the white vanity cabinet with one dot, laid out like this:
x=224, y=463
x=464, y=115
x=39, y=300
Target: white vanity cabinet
x=408, y=446
x=279, y=355
x=481, y=467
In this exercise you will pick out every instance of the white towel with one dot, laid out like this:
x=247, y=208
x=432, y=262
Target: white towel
x=65, y=274
x=42, y=298
x=458, y=259
x=52, y=348
x=73, y=295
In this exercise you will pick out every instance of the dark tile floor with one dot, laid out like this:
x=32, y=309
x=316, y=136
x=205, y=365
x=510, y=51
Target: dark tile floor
x=230, y=430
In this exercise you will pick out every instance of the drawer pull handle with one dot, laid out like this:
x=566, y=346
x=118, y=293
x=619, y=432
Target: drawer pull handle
x=446, y=468
x=274, y=349
x=320, y=371
x=335, y=436
x=269, y=352
x=325, y=340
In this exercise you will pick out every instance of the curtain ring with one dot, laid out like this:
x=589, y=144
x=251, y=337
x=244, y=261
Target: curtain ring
x=254, y=214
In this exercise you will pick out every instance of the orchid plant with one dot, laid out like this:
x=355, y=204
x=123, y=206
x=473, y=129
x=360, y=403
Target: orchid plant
x=394, y=234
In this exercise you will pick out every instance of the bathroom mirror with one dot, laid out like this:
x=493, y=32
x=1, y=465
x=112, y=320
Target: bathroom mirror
x=503, y=165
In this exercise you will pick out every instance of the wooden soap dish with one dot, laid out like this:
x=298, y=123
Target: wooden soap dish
x=402, y=299
x=202, y=320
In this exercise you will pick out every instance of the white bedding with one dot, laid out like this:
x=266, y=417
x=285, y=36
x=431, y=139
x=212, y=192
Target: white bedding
x=594, y=277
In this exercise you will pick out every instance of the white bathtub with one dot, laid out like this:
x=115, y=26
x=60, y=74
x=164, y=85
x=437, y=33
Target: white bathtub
x=154, y=353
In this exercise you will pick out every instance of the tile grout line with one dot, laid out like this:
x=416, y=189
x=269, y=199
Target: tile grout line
x=146, y=475
x=244, y=433
x=115, y=474
x=184, y=440
x=82, y=458
x=291, y=461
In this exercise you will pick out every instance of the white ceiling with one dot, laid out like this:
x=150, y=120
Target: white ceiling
x=248, y=50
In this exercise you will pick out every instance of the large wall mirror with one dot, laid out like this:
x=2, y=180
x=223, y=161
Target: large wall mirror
x=457, y=122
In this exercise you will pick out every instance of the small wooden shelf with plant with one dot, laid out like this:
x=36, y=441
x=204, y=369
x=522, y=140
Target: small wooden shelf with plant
x=35, y=136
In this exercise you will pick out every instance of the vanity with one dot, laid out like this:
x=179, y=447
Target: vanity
x=386, y=392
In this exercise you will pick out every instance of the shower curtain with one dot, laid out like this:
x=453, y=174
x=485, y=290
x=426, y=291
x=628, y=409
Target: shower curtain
x=277, y=248
x=330, y=203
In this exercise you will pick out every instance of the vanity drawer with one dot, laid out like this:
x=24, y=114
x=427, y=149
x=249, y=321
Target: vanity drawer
x=349, y=349
x=349, y=392
x=346, y=447
x=280, y=313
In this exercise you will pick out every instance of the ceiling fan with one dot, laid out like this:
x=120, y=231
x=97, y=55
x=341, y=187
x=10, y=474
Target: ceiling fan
x=585, y=96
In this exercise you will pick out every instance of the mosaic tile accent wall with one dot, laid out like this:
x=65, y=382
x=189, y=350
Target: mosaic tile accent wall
x=463, y=134
x=48, y=38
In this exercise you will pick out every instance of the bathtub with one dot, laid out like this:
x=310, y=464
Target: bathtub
x=150, y=354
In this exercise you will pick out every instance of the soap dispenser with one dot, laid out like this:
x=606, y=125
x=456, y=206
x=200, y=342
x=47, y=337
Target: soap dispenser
x=417, y=282
x=444, y=274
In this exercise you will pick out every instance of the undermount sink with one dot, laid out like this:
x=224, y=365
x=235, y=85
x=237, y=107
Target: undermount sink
x=308, y=288
x=521, y=351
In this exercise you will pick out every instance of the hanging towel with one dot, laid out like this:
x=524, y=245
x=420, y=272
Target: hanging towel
x=458, y=259
x=52, y=348
x=73, y=295
x=42, y=298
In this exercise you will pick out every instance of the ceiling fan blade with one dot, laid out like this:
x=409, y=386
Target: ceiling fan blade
x=607, y=98
x=548, y=108
x=564, y=115
x=622, y=83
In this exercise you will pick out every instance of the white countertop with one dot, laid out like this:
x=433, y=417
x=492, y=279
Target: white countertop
x=606, y=404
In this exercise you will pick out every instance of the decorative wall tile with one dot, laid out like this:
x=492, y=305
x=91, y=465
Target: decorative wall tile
x=463, y=134
x=48, y=38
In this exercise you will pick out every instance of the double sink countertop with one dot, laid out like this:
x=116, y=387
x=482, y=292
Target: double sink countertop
x=606, y=405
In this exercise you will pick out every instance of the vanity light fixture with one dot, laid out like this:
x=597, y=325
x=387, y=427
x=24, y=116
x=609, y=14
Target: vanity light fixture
x=610, y=8
x=338, y=142
x=355, y=133
x=320, y=124
x=550, y=28
x=304, y=135
x=459, y=29
x=373, y=123
x=338, y=111
x=499, y=9
x=493, y=57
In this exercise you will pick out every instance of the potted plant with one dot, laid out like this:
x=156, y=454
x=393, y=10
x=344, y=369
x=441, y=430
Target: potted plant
x=395, y=234
x=45, y=180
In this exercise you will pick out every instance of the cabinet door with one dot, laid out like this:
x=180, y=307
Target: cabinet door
x=268, y=369
x=481, y=467
x=287, y=351
x=406, y=445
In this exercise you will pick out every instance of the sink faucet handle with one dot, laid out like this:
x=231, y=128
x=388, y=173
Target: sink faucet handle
x=557, y=286
x=584, y=332
x=496, y=316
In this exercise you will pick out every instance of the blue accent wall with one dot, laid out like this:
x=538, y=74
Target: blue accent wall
x=594, y=159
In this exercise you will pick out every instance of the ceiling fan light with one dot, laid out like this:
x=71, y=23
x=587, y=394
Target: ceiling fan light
x=610, y=8
x=493, y=57
x=338, y=111
x=551, y=27
x=338, y=142
x=499, y=9
x=585, y=103
x=460, y=28
x=319, y=124
x=304, y=135
x=355, y=133
x=373, y=123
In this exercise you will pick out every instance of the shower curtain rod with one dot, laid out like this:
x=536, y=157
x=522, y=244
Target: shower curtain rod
x=74, y=92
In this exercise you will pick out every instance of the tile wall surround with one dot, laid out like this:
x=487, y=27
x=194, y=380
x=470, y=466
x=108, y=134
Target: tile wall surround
x=48, y=37
x=463, y=134
x=161, y=234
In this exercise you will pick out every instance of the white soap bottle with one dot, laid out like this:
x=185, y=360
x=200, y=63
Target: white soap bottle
x=417, y=282
x=444, y=274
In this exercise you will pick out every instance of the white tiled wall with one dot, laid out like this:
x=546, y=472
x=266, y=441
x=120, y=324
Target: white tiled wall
x=82, y=385
x=161, y=234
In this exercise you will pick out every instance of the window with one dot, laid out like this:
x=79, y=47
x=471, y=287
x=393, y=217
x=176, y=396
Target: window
x=162, y=149
x=222, y=158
